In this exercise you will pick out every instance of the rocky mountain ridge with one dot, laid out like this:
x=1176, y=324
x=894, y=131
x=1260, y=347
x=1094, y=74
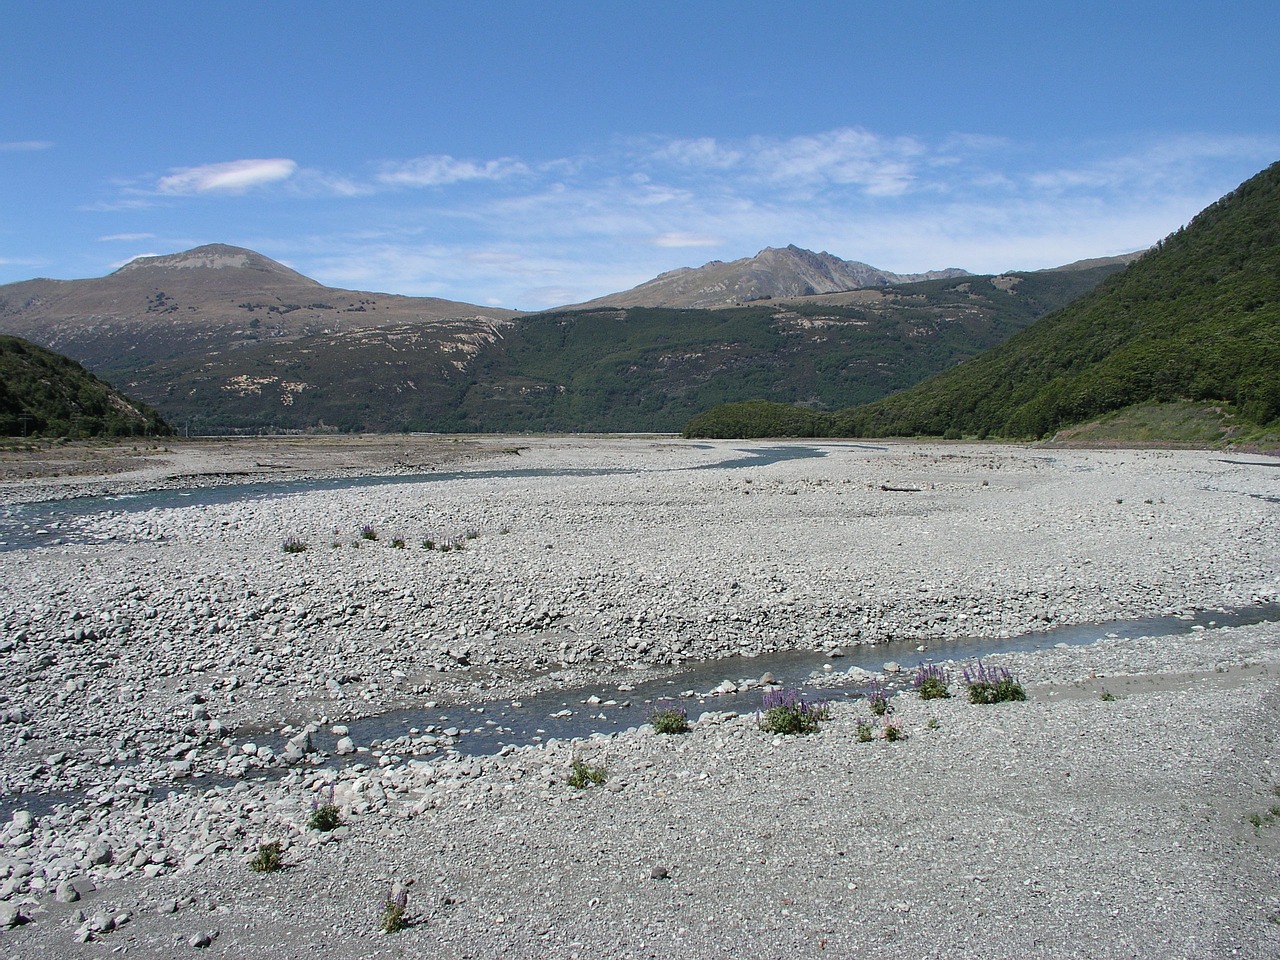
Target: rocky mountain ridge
x=773, y=273
x=221, y=338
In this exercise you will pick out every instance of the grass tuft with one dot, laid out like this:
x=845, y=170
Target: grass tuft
x=268, y=859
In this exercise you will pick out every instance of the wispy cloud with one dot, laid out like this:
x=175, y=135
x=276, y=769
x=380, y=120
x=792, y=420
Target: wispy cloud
x=234, y=177
x=126, y=236
x=25, y=146
x=442, y=170
x=680, y=239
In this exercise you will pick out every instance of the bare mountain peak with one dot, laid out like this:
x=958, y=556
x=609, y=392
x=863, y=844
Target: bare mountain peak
x=773, y=273
x=213, y=256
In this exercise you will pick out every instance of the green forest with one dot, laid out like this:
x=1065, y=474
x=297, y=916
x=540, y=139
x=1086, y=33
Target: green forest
x=48, y=395
x=1195, y=319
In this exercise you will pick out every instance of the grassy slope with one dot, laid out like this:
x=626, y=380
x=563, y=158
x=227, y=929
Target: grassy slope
x=1196, y=319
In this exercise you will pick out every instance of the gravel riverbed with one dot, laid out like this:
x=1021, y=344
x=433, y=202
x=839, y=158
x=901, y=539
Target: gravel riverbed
x=159, y=660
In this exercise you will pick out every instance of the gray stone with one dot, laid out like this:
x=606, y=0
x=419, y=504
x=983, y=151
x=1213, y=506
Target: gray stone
x=83, y=885
x=200, y=940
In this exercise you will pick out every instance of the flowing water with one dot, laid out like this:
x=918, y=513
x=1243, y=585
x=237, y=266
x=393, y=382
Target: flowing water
x=46, y=523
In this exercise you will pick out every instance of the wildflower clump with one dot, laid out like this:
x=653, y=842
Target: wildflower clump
x=992, y=684
x=395, y=910
x=931, y=682
x=669, y=719
x=784, y=711
x=325, y=815
x=892, y=730
x=294, y=545
x=878, y=698
x=367, y=532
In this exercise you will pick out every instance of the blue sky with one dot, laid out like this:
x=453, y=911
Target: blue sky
x=530, y=154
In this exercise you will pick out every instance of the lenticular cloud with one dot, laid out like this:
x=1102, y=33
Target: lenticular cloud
x=236, y=176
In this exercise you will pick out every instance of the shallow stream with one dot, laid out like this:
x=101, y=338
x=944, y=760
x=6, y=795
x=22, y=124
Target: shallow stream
x=50, y=522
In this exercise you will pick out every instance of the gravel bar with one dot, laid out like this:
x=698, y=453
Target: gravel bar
x=176, y=691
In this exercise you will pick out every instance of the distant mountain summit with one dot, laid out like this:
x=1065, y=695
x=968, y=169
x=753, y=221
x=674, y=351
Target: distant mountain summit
x=205, y=300
x=215, y=256
x=773, y=273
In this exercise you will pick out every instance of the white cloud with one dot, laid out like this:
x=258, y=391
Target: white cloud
x=236, y=176
x=702, y=152
x=314, y=183
x=127, y=236
x=678, y=238
x=25, y=146
x=442, y=169
x=881, y=166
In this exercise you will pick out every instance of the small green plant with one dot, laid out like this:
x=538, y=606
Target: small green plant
x=933, y=724
x=398, y=543
x=864, y=729
x=583, y=774
x=785, y=712
x=395, y=910
x=893, y=730
x=931, y=682
x=268, y=859
x=294, y=545
x=473, y=535
x=669, y=719
x=428, y=544
x=1107, y=696
x=878, y=698
x=367, y=532
x=992, y=685
x=325, y=815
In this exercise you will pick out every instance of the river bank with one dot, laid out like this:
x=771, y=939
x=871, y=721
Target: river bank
x=161, y=653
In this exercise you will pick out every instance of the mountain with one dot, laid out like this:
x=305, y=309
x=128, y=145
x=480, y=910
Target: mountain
x=44, y=393
x=223, y=339
x=1123, y=260
x=652, y=368
x=233, y=334
x=1196, y=319
x=210, y=299
x=771, y=274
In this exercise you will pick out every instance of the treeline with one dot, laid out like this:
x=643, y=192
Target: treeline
x=45, y=394
x=1197, y=318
